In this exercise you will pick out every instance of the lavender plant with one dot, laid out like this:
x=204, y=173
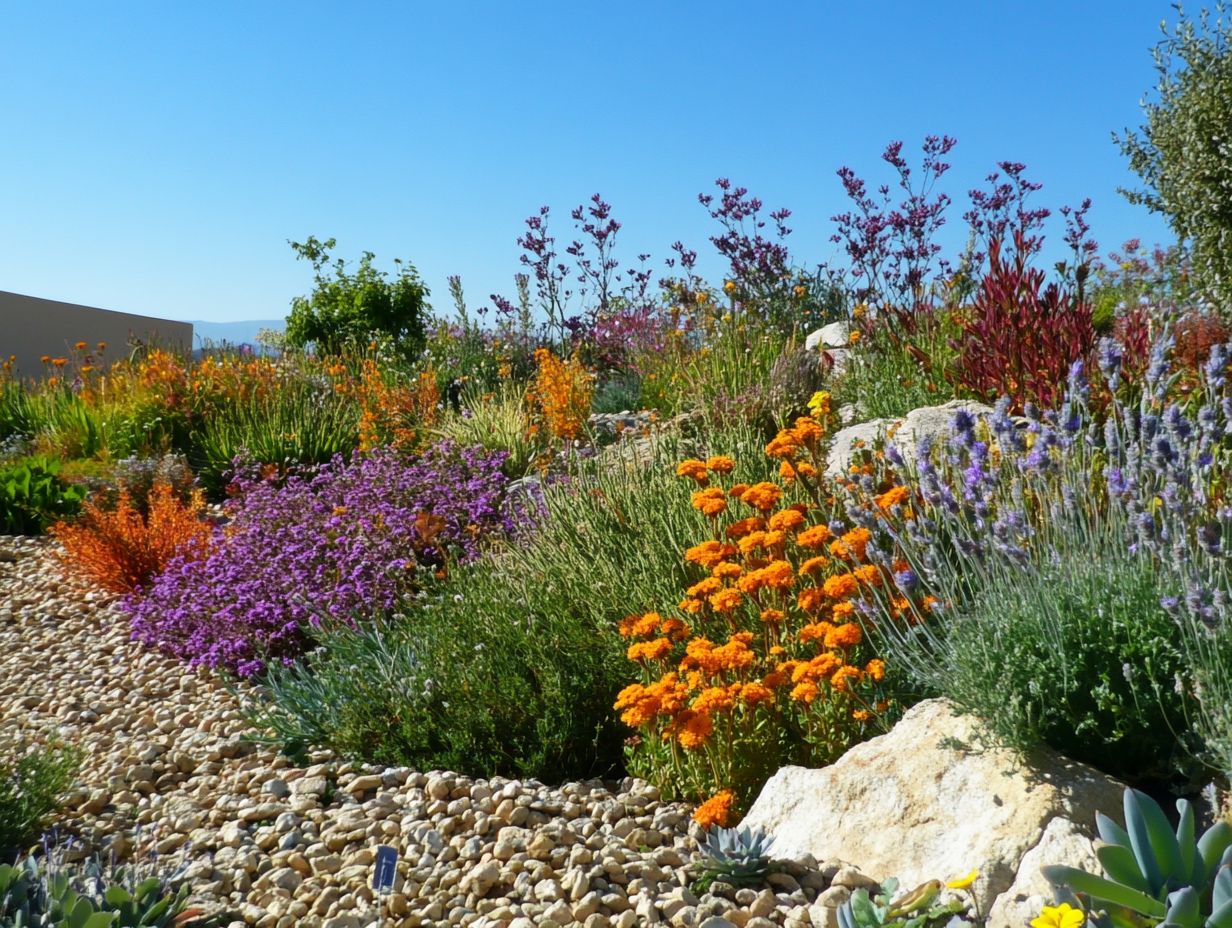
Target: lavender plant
x=341, y=541
x=1080, y=559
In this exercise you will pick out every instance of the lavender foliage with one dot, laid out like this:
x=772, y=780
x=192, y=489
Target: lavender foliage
x=340, y=542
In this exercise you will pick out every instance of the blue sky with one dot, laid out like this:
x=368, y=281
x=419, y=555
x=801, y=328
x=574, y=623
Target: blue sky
x=156, y=157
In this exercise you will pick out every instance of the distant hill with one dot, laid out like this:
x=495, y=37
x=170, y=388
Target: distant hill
x=233, y=333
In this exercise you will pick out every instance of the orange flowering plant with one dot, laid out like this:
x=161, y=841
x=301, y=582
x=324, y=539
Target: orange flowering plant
x=765, y=661
x=560, y=395
x=122, y=549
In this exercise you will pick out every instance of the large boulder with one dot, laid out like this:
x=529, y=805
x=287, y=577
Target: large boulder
x=928, y=421
x=930, y=799
x=834, y=335
x=1062, y=842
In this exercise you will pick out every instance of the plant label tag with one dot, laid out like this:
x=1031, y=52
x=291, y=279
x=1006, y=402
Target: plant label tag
x=385, y=868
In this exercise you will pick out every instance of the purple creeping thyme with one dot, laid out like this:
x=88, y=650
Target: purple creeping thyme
x=344, y=541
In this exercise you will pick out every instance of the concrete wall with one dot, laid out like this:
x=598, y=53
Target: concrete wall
x=31, y=327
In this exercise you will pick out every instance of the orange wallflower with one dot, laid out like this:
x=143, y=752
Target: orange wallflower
x=892, y=497
x=654, y=650
x=726, y=600
x=868, y=574
x=727, y=570
x=717, y=810
x=786, y=520
x=745, y=526
x=813, y=565
x=875, y=669
x=811, y=599
x=763, y=496
x=710, y=502
x=845, y=677
x=840, y=586
x=721, y=464
x=694, y=470
x=847, y=635
x=814, y=537
x=705, y=587
x=709, y=553
x=693, y=730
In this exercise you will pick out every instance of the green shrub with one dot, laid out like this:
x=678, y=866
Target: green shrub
x=16, y=418
x=1055, y=627
x=32, y=496
x=497, y=421
x=1181, y=153
x=1079, y=656
x=346, y=311
x=512, y=666
x=32, y=782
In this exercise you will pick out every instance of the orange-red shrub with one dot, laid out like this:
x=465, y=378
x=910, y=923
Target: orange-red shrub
x=121, y=550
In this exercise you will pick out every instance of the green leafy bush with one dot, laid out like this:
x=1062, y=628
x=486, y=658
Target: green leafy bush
x=1055, y=628
x=32, y=496
x=32, y=782
x=1181, y=153
x=349, y=310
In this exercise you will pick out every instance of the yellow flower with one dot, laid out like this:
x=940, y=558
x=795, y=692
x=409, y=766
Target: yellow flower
x=963, y=882
x=819, y=404
x=1059, y=916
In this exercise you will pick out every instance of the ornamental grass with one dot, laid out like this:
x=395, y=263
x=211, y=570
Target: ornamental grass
x=764, y=662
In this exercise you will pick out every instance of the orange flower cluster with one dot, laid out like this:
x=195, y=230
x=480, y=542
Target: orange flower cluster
x=121, y=549
x=560, y=395
x=391, y=414
x=768, y=662
x=717, y=810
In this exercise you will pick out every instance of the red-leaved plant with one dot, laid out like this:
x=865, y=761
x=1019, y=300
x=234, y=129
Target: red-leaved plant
x=1020, y=337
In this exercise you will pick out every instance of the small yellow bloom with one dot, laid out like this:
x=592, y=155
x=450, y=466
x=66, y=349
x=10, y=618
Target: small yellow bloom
x=963, y=882
x=1059, y=916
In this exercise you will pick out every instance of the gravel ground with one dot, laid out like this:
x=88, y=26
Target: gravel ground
x=169, y=767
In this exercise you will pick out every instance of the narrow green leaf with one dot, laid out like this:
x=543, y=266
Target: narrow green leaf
x=1137, y=823
x=1110, y=832
x=1121, y=867
x=1104, y=890
x=1185, y=839
x=1218, y=838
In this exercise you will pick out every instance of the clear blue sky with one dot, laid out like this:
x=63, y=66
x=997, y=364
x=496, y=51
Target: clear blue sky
x=156, y=157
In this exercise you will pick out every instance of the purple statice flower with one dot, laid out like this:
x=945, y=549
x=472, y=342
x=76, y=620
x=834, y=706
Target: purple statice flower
x=340, y=542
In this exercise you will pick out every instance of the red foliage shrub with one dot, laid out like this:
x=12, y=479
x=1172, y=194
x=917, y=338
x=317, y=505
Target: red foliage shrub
x=1019, y=337
x=1196, y=334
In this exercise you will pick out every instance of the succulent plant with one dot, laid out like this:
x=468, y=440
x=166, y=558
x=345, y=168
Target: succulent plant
x=920, y=908
x=738, y=856
x=1153, y=874
x=32, y=895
